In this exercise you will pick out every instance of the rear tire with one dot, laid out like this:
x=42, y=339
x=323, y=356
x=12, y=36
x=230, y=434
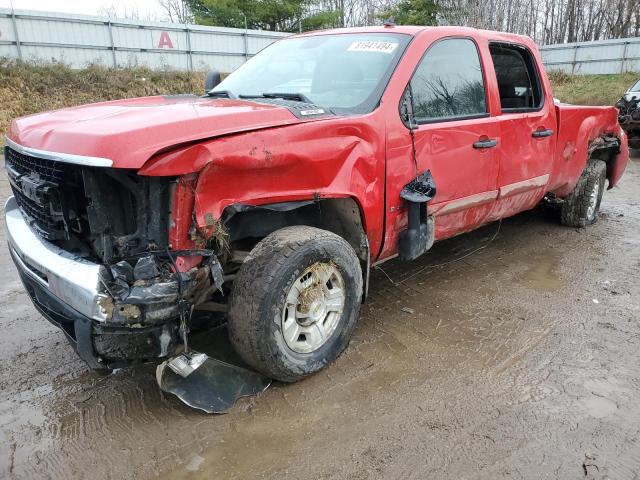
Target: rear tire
x=295, y=302
x=581, y=207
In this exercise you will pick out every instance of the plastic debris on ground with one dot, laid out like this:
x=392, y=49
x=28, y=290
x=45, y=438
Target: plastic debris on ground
x=212, y=385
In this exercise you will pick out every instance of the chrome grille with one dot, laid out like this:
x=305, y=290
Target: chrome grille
x=24, y=164
x=50, y=194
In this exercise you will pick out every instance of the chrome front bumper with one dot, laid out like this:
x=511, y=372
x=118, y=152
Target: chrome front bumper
x=73, y=280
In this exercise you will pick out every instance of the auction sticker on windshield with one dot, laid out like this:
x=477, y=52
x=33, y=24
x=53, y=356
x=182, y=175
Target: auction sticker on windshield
x=372, y=46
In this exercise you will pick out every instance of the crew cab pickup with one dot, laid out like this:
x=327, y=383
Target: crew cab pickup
x=266, y=202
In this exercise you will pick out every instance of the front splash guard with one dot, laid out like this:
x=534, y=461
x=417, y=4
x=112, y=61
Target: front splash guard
x=207, y=383
x=214, y=386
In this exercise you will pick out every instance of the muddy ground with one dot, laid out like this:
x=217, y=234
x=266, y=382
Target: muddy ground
x=520, y=360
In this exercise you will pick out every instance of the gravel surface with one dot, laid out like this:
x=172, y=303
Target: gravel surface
x=517, y=361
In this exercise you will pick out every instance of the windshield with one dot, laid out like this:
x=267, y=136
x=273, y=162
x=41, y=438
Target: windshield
x=345, y=72
x=636, y=87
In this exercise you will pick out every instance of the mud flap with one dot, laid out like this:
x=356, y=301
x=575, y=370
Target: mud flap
x=207, y=383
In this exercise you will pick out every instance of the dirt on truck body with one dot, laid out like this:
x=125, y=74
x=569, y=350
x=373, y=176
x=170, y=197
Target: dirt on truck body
x=268, y=200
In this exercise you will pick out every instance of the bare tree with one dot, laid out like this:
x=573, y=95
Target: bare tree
x=549, y=21
x=177, y=11
x=546, y=21
x=117, y=10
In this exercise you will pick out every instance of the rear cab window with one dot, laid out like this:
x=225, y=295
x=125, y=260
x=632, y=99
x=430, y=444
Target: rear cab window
x=448, y=83
x=518, y=80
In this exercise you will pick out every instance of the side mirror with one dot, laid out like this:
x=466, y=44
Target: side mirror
x=212, y=80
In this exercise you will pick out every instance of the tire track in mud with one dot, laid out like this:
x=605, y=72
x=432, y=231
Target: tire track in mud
x=101, y=433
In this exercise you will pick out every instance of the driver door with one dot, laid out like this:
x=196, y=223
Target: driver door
x=455, y=136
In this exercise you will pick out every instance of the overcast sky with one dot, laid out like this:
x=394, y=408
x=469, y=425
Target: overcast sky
x=144, y=9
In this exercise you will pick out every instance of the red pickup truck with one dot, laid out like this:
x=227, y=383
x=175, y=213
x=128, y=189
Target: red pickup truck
x=268, y=199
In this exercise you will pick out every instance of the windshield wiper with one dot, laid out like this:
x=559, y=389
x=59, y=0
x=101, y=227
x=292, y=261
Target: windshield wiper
x=297, y=97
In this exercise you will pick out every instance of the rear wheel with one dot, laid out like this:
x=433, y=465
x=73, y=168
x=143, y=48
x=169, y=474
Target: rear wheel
x=581, y=207
x=295, y=302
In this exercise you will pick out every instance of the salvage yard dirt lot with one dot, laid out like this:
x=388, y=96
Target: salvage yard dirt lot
x=520, y=360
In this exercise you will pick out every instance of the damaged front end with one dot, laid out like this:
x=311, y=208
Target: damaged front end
x=93, y=249
x=146, y=295
x=147, y=291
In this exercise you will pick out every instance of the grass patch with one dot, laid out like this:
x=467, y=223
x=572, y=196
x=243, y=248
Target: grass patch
x=591, y=89
x=27, y=88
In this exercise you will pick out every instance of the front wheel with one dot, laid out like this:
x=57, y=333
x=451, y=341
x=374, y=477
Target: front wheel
x=295, y=302
x=581, y=207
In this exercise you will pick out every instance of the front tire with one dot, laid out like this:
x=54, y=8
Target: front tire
x=581, y=207
x=295, y=302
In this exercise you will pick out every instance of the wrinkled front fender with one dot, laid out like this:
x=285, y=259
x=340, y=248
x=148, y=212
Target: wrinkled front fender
x=339, y=157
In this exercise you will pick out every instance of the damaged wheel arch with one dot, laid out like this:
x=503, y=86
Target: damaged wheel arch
x=342, y=216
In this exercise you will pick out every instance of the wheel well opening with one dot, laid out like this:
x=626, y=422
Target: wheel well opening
x=248, y=224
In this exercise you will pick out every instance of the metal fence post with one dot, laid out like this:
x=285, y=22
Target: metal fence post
x=15, y=33
x=575, y=59
x=624, y=57
x=113, y=47
x=189, y=53
x=246, y=45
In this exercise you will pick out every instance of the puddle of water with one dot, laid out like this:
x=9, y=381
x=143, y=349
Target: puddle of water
x=542, y=274
x=24, y=412
x=23, y=406
x=255, y=444
x=599, y=407
x=604, y=387
x=194, y=462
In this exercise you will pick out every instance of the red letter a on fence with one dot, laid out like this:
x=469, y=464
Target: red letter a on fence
x=165, y=41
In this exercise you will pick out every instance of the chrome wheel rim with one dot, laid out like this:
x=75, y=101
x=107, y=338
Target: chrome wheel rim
x=593, y=201
x=313, y=308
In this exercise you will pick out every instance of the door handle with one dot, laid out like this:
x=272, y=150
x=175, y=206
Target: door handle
x=488, y=143
x=542, y=133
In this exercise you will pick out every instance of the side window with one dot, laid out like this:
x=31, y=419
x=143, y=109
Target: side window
x=448, y=83
x=517, y=77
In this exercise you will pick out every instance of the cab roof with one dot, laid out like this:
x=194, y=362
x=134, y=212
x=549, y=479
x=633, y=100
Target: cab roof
x=414, y=30
x=404, y=29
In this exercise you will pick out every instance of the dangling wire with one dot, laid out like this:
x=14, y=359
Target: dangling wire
x=418, y=272
x=411, y=119
x=183, y=304
x=408, y=105
x=415, y=157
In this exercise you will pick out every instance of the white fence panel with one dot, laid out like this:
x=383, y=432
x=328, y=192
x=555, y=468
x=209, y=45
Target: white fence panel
x=603, y=56
x=79, y=40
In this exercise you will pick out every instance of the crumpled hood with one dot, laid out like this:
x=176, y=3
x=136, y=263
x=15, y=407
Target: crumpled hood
x=128, y=132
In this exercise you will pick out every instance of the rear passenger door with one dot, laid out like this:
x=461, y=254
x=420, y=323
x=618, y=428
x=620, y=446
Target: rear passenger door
x=527, y=127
